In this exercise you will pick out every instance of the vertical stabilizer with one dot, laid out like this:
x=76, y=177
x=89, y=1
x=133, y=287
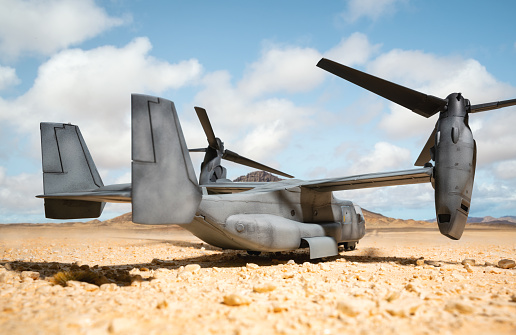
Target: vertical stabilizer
x=164, y=186
x=67, y=167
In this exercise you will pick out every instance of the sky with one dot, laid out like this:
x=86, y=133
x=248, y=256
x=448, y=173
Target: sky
x=252, y=65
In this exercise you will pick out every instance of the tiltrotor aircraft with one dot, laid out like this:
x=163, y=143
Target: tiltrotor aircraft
x=279, y=216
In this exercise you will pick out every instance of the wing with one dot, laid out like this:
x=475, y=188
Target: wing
x=231, y=187
x=404, y=177
x=110, y=193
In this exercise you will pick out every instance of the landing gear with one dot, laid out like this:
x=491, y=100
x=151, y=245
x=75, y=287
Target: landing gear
x=348, y=246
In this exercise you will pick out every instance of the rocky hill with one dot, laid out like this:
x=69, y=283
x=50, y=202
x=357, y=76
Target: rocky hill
x=257, y=176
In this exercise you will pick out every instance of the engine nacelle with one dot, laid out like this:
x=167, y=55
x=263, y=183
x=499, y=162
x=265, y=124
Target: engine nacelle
x=454, y=172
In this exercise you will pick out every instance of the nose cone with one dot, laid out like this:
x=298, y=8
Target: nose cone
x=452, y=214
x=457, y=105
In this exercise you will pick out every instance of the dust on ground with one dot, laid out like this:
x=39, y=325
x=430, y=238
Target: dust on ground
x=97, y=279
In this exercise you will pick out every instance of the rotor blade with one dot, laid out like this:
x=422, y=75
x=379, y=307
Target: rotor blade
x=197, y=150
x=206, y=125
x=424, y=156
x=492, y=105
x=420, y=103
x=234, y=157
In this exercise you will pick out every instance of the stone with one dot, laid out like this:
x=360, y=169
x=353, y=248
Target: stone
x=109, y=287
x=468, y=261
x=354, y=306
x=462, y=307
x=506, y=264
x=252, y=266
x=193, y=268
x=403, y=307
x=122, y=325
x=235, y=299
x=30, y=274
x=420, y=262
x=264, y=288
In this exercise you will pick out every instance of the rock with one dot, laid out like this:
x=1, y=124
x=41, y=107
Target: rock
x=468, y=261
x=403, y=307
x=420, y=262
x=109, y=287
x=193, y=268
x=462, y=307
x=121, y=325
x=236, y=300
x=30, y=274
x=278, y=308
x=506, y=264
x=252, y=266
x=411, y=287
x=264, y=288
x=89, y=287
x=392, y=295
x=353, y=306
x=8, y=277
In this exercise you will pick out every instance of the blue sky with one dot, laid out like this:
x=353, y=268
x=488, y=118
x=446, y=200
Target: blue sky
x=252, y=66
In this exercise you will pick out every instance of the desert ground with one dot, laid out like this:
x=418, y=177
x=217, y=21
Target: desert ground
x=117, y=277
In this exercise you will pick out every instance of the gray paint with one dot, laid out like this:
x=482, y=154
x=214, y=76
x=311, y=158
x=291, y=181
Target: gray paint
x=164, y=187
x=451, y=144
x=278, y=216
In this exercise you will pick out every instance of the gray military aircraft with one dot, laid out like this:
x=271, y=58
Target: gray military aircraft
x=279, y=216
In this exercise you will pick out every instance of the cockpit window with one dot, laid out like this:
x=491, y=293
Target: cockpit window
x=360, y=215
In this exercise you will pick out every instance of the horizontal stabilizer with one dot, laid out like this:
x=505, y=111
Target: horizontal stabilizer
x=164, y=187
x=67, y=168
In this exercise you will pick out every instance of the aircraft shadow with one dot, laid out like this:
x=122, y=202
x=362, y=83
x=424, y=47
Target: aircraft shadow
x=120, y=274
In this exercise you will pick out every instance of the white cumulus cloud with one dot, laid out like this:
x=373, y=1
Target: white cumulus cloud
x=92, y=89
x=8, y=77
x=372, y=9
x=46, y=26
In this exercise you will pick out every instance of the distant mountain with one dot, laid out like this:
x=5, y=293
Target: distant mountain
x=489, y=221
x=257, y=176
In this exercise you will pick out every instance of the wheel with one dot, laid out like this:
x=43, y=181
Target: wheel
x=350, y=246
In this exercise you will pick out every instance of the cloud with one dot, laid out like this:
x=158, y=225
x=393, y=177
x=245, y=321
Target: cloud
x=17, y=192
x=352, y=51
x=385, y=156
x=46, y=26
x=292, y=69
x=506, y=170
x=288, y=69
x=92, y=89
x=371, y=9
x=257, y=128
x=8, y=77
x=405, y=201
x=433, y=75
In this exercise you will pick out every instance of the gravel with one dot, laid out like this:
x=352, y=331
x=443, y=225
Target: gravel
x=165, y=281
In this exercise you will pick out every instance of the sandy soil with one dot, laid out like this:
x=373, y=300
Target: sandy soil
x=165, y=281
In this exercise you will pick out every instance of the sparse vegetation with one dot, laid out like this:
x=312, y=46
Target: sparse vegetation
x=63, y=277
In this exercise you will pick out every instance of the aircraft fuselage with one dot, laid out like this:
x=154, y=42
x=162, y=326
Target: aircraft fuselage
x=277, y=220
